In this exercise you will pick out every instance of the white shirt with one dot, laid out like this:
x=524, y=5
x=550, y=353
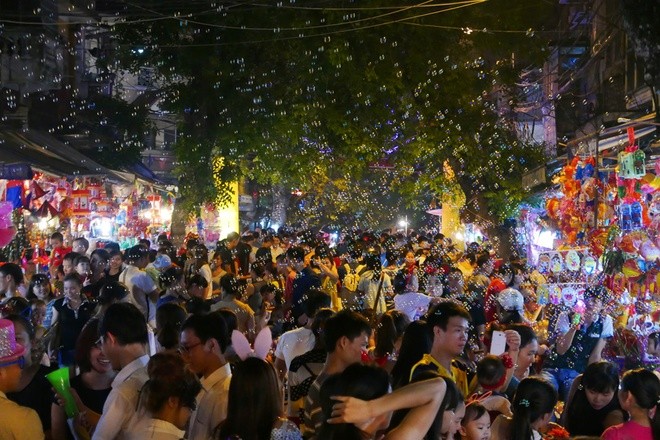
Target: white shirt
x=413, y=304
x=156, y=429
x=294, y=343
x=205, y=271
x=120, y=409
x=211, y=404
x=369, y=287
x=139, y=284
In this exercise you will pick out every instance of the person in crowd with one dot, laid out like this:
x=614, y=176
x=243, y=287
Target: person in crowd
x=80, y=245
x=16, y=421
x=142, y=291
x=168, y=398
x=409, y=270
x=346, y=337
x=252, y=295
x=302, y=339
x=83, y=268
x=416, y=343
x=11, y=276
x=254, y=410
x=92, y=386
x=476, y=422
x=69, y=263
x=580, y=341
x=510, y=307
x=304, y=281
x=413, y=304
x=172, y=281
x=169, y=319
x=449, y=323
x=123, y=339
x=532, y=409
x=115, y=265
x=529, y=348
x=98, y=262
x=491, y=374
x=218, y=270
x=197, y=286
x=40, y=289
x=388, y=336
x=200, y=265
x=229, y=299
x=112, y=292
x=639, y=395
x=374, y=285
x=70, y=314
x=204, y=342
x=324, y=266
x=304, y=369
x=356, y=405
x=33, y=390
x=593, y=397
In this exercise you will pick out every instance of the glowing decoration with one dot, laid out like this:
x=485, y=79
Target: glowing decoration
x=81, y=206
x=452, y=202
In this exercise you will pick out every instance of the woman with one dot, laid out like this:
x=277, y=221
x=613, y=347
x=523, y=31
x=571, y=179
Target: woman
x=357, y=405
x=416, y=342
x=254, y=408
x=200, y=265
x=325, y=268
x=389, y=334
x=169, y=319
x=115, y=266
x=372, y=281
x=34, y=390
x=70, y=313
x=593, y=397
x=168, y=397
x=92, y=385
x=532, y=409
x=410, y=270
x=41, y=289
x=639, y=395
x=529, y=347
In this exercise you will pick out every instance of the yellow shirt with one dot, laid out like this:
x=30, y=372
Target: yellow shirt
x=458, y=375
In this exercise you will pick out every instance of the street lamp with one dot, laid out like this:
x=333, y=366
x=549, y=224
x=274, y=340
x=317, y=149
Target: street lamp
x=404, y=224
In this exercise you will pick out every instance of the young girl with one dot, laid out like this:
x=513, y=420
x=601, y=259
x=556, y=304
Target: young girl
x=532, y=409
x=593, y=397
x=389, y=333
x=639, y=395
x=41, y=289
x=476, y=423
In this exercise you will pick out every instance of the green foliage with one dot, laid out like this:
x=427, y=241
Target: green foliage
x=317, y=100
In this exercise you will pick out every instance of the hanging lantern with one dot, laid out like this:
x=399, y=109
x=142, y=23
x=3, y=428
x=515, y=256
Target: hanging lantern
x=81, y=202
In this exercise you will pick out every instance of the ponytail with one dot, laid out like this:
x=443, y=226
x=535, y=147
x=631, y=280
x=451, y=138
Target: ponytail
x=644, y=385
x=534, y=398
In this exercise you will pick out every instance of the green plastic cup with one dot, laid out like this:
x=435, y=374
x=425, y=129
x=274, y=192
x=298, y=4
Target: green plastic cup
x=59, y=379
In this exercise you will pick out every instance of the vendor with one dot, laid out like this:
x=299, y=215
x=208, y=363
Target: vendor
x=580, y=340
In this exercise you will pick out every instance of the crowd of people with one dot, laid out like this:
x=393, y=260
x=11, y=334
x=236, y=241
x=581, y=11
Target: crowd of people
x=283, y=337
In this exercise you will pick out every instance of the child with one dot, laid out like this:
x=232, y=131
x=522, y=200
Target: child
x=491, y=374
x=532, y=408
x=83, y=268
x=476, y=423
x=639, y=395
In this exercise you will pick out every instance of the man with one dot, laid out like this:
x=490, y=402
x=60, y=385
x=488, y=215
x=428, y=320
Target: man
x=142, y=289
x=204, y=341
x=449, y=324
x=301, y=340
x=580, y=341
x=11, y=276
x=123, y=339
x=346, y=337
x=227, y=249
x=16, y=422
x=305, y=280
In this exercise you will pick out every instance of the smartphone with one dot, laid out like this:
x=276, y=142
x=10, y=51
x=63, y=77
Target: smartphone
x=498, y=343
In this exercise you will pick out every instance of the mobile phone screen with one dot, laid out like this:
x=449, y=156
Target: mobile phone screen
x=498, y=343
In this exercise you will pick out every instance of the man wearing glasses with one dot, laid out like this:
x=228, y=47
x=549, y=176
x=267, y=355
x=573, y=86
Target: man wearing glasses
x=15, y=421
x=204, y=340
x=123, y=340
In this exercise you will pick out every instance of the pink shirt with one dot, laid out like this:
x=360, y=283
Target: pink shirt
x=628, y=431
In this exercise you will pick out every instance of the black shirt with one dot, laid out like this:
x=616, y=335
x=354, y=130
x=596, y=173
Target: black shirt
x=37, y=395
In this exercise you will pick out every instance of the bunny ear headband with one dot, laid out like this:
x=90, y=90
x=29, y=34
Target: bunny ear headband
x=262, y=344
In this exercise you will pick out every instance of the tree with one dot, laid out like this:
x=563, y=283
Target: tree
x=311, y=97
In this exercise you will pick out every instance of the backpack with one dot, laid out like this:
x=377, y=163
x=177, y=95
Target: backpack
x=348, y=293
